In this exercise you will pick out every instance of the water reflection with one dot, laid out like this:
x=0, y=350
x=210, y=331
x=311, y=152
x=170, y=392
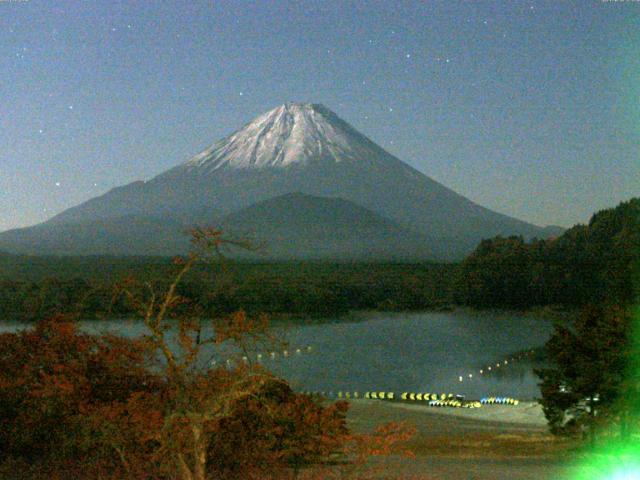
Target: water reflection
x=421, y=352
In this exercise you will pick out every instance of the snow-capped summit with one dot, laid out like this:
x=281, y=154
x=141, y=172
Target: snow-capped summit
x=293, y=133
x=297, y=147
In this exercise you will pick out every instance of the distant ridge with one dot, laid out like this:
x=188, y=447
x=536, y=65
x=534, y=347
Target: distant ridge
x=296, y=225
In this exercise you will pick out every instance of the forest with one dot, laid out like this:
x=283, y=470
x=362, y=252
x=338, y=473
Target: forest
x=591, y=263
x=588, y=263
x=36, y=287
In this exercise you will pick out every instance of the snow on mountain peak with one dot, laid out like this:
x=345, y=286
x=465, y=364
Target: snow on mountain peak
x=293, y=133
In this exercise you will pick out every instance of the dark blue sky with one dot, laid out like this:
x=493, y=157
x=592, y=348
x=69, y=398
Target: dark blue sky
x=531, y=108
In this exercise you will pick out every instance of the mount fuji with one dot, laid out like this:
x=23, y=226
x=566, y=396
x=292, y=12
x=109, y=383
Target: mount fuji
x=343, y=185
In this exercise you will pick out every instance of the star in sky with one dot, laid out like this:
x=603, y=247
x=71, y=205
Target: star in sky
x=400, y=75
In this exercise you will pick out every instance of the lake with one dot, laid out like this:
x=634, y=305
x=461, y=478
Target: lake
x=414, y=352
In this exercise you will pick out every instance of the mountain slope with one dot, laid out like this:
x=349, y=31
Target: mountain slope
x=127, y=235
x=303, y=226
x=292, y=226
x=305, y=148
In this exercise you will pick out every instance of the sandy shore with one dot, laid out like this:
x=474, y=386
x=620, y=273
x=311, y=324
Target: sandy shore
x=527, y=413
x=491, y=442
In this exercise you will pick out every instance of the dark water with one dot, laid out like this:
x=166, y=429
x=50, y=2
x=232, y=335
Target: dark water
x=419, y=352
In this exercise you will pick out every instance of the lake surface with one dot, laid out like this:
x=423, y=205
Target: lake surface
x=414, y=352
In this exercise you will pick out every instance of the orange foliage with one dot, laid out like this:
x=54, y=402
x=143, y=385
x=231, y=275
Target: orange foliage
x=73, y=405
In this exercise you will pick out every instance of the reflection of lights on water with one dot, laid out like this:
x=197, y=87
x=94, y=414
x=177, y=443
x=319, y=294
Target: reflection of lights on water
x=498, y=365
x=260, y=356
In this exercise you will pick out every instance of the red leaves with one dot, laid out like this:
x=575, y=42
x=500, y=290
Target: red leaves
x=57, y=384
x=237, y=327
x=83, y=400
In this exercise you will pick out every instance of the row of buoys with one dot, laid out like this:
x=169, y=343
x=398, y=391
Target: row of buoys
x=259, y=357
x=490, y=368
x=454, y=404
x=499, y=401
x=431, y=399
x=425, y=396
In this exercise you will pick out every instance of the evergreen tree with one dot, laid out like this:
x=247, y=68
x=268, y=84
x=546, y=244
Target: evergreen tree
x=587, y=380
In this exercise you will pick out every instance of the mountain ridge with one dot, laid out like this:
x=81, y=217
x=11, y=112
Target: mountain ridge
x=305, y=148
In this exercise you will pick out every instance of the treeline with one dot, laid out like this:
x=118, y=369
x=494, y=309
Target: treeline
x=592, y=263
x=86, y=286
x=587, y=264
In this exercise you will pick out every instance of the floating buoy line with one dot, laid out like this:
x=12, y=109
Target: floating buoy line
x=429, y=399
x=426, y=398
x=263, y=356
x=494, y=367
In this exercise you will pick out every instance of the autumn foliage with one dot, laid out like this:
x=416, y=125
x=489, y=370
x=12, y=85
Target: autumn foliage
x=74, y=405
